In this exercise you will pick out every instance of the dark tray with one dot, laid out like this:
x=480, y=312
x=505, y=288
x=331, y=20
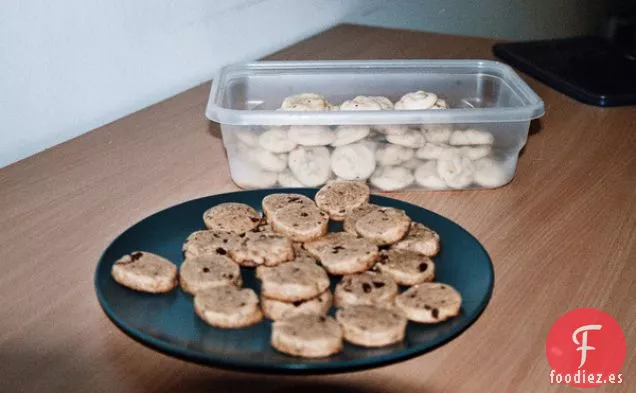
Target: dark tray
x=591, y=70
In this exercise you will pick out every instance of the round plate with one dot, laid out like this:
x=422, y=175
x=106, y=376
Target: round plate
x=167, y=322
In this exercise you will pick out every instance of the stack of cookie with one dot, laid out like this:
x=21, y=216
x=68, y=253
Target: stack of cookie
x=388, y=157
x=379, y=251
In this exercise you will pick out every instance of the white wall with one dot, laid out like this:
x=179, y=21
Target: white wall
x=69, y=66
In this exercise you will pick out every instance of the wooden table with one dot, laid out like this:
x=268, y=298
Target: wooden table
x=562, y=235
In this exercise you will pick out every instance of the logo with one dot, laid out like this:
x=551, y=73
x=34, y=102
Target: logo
x=586, y=348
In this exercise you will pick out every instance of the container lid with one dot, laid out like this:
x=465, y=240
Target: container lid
x=250, y=93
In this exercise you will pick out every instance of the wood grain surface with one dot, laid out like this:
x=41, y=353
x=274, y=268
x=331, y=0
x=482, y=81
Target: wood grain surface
x=562, y=235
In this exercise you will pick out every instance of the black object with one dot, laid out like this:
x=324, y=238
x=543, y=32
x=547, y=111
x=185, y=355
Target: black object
x=591, y=70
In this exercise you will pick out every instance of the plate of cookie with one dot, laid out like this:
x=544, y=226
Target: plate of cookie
x=295, y=281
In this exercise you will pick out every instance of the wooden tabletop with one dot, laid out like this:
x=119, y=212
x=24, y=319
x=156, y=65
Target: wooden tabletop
x=562, y=235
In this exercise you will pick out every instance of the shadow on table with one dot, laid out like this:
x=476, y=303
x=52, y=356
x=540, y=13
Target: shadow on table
x=267, y=385
x=535, y=127
x=26, y=370
x=214, y=129
x=61, y=371
x=273, y=384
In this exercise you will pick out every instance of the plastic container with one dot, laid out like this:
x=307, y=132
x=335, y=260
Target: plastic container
x=474, y=143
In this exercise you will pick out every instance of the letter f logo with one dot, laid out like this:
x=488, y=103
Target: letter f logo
x=583, y=344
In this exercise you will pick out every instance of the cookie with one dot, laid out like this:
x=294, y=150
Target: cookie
x=391, y=129
x=352, y=217
x=343, y=253
x=490, y=173
x=435, y=151
x=436, y=133
x=145, y=272
x=406, y=267
x=208, y=271
x=367, y=103
x=276, y=140
x=231, y=217
x=292, y=281
x=383, y=226
x=264, y=160
x=440, y=104
x=391, y=178
x=339, y=197
x=307, y=335
x=269, y=161
x=301, y=223
x=277, y=310
x=263, y=227
x=420, y=239
x=368, y=288
x=412, y=163
x=384, y=102
x=305, y=102
x=302, y=255
x=353, y=162
x=429, y=302
x=389, y=154
x=371, y=326
x=249, y=175
x=476, y=152
x=247, y=137
x=286, y=179
x=426, y=175
x=457, y=172
x=310, y=165
x=471, y=137
x=311, y=135
x=409, y=138
x=348, y=134
x=373, y=142
x=228, y=307
x=262, y=248
x=417, y=100
x=208, y=242
x=274, y=202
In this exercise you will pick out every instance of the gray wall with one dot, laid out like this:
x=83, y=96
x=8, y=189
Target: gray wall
x=502, y=19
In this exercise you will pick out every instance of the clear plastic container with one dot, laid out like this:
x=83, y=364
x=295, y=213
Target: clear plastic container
x=473, y=143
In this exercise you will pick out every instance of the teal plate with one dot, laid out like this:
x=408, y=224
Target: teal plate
x=167, y=322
